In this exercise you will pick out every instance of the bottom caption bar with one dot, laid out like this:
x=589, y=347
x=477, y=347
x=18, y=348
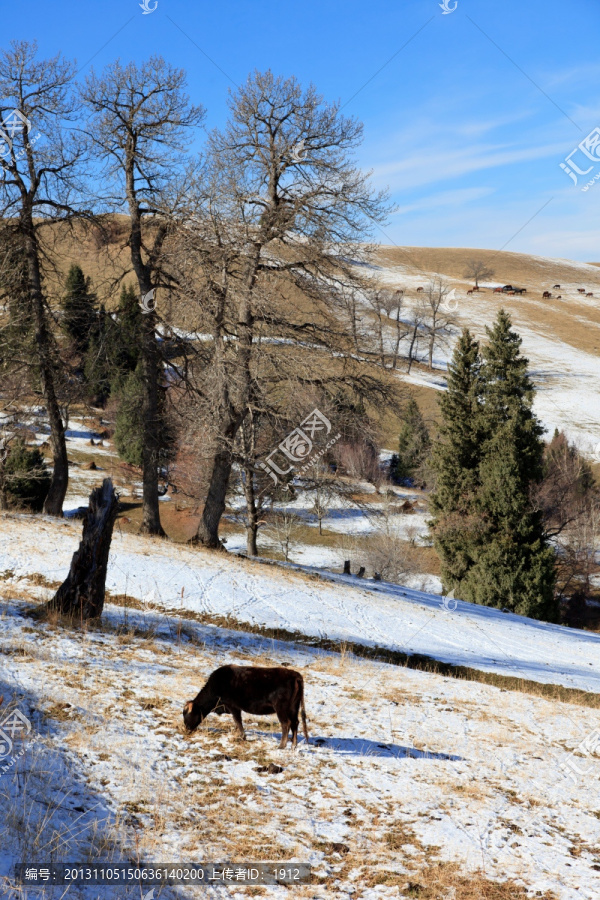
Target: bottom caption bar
x=196, y=873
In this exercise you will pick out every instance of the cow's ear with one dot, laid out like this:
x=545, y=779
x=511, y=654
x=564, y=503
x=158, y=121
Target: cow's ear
x=188, y=707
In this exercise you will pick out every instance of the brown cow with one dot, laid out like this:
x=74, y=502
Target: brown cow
x=546, y=295
x=419, y=289
x=589, y=294
x=559, y=297
x=557, y=286
x=252, y=689
x=581, y=290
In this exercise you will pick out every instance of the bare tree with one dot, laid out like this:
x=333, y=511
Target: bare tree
x=436, y=317
x=416, y=320
x=321, y=488
x=267, y=255
x=41, y=164
x=384, y=303
x=284, y=528
x=141, y=125
x=476, y=270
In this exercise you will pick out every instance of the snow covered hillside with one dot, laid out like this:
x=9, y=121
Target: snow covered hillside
x=561, y=335
x=409, y=773
x=174, y=577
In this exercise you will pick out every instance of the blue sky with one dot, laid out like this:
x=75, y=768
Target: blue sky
x=467, y=115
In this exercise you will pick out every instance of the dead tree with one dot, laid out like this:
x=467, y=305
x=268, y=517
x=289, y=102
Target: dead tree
x=81, y=595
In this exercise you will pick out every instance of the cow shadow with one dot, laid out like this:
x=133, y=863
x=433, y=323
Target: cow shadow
x=365, y=747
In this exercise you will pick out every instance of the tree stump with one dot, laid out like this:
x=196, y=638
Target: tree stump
x=361, y=572
x=82, y=593
x=347, y=567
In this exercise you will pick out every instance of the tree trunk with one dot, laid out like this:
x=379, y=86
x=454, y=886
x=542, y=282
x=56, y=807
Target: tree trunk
x=151, y=446
x=82, y=593
x=214, y=507
x=398, y=338
x=150, y=363
x=412, y=344
x=60, y=473
x=251, y=512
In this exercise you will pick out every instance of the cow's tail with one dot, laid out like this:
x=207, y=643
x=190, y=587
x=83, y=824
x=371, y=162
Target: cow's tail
x=303, y=714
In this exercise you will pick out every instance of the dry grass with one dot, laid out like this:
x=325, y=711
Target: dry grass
x=347, y=648
x=446, y=881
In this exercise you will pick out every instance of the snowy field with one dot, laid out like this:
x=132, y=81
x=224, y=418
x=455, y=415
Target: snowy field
x=175, y=577
x=405, y=768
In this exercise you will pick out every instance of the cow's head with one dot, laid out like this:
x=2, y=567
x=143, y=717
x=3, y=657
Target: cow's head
x=192, y=716
x=195, y=711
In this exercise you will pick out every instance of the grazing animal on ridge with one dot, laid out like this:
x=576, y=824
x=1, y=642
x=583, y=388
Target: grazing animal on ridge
x=557, y=286
x=253, y=689
x=546, y=295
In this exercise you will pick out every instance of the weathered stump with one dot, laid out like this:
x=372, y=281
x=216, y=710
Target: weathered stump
x=82, y=593
x=347, y=567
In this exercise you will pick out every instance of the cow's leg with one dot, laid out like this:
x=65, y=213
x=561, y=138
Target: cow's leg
x=294, y=732
x=237, y=718
x=285, y=727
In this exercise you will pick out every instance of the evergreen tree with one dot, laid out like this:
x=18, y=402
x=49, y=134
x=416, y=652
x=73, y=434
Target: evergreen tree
x=24, y=478
x=455, y=462
x=98, y=367
x=414, y=444
x=113, y=349
x=129, y=420
x=79, y=312
x=490, y=538
x=125, y=348
x=129, y=433
x=17, y=342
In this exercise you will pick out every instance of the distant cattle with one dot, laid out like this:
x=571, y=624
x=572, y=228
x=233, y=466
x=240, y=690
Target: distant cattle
x=498, y=290
x=557, y=286
x=559, y=297
x=519, y=290
x=252, y=689
x=546, y=295
x=581, y=290
x=419, y=289
x=589, y=294
x=469, y=292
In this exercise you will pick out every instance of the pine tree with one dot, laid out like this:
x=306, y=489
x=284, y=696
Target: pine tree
x=129, y=420
x=455, y=462
x=126, y=340
x=129, y=432
x=97, y=367
x=414, y=444
x=489, y=536
x=79, y=312
x=25, y=478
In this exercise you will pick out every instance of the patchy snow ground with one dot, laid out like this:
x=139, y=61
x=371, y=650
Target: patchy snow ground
x=405, y=767
x=178, y=577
